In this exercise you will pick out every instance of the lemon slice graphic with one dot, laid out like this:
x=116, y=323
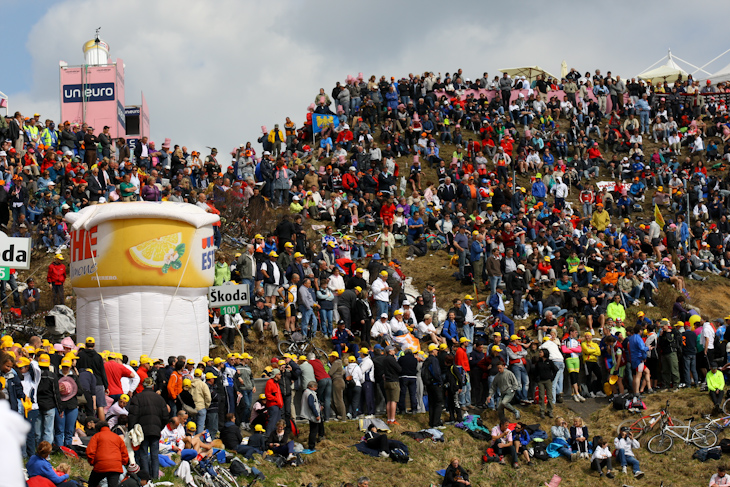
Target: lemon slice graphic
x=152, y=252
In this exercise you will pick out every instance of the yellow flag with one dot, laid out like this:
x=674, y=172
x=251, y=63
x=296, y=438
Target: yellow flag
x=658, y=216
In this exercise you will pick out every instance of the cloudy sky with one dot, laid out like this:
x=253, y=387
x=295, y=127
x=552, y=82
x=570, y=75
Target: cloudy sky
x=214, y=72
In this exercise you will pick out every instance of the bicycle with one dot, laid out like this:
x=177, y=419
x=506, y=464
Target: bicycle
x=205, y=474
x=717, y=426
x=646, y=423
x=298, y=344
x=726, y=406
x=700, y=437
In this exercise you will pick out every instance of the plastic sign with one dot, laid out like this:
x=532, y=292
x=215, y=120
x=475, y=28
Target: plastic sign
x=229, y=310
x=228, y=294
x=14, y=252
x=4, y=273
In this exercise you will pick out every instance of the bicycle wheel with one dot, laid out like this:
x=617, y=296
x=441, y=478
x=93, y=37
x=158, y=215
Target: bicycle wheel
x=703, y=438
x=320, y=353
x=660, y=443
x=201, y=481
x=226, y=476
x=284, y=346
x=635, y=426
x=726, y=406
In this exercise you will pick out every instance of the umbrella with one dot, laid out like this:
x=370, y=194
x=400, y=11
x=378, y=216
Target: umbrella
x=720, y=76
x=563, y=69
x=528, y=72
x=668, y=72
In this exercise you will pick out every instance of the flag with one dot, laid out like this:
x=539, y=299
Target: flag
x=208, y=242
x=321, y=120
x=658, y=216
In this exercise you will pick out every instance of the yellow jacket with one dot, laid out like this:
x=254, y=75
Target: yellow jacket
x=272, y=136
x=601, y=220
x=591, y=351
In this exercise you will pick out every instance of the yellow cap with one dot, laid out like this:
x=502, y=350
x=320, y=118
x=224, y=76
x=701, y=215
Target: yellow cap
x=259, y=428
x=273, y=254
x=514, y=337
x=464, y=340
x=124, y=398
x=248, y=356
x=190, y=361
x=352, y=359
x=198, y=373
x=495, y=348
x=191, y=426
x=289, y=245
x=23, y=362
x=209, y=375
x=90, y=340
x=302, y=357
x=546, y=338
x=59, y=256
x=29, y=349
x=332, y=244
x=46, y=342
x=133, y=363
x=384, y=273
x=468, y=297
x=298, y=254
x=238, y=254
x=432, y=347
x=6, y=341
x=359, y=270
x=496, y=333
x=556, y=290
x=397, y=312
x=44, y=360
x=65, y=363
x=364, y=351
x=475, y=232
x=547, y=258
x=187, y=383
x=81, y=345
x=231, y=355
x=258, y=235
x=358, y=289
x=640, y=314
x=443, y=346
x=522, y=328
x=218, y=361
x=205, y=359
x=334, y=354
x=262, y=396
x=281, y=362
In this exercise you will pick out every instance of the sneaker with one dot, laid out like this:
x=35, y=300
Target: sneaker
x=610, y=475
x=384, y=454
x=290, y=457
x=639, y=474
x=574, y=457
x=517, y=415
x=682, y=385
x=349, y=416
x=442, y=427
x=592, y=395
x=600, y=394
x=576, y=398
x=559, y=399
x=649, y=305
x=581, y=398
x=623, y=469
x=530, y=464
x=516, y=465
x=370, y=416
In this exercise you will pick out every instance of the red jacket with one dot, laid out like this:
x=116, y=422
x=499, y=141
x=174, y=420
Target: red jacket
x=56, y=273
x=349, y=181
x=319, y=370
x=106, y=452
x=462, y=359
x=273, y=394
x=143, y=374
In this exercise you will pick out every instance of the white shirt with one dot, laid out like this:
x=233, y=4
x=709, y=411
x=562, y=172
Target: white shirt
x=13, y=429
x=355, y=372
x=721, y=481
x=368, y=368
x=380, y=290
x=553, y=351
x=601, y=453
x=425, y=329
x=30, y=385
x=378, y=328
x=397, y=326
x=130, y=384
x=707, y=334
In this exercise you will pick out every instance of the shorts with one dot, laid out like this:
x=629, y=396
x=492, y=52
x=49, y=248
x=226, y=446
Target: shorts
x=572, y=364
x=271, y=290
x=392, y=391
x=100, y=396
x=290, y=311
x=655, y=242
x=640, y=368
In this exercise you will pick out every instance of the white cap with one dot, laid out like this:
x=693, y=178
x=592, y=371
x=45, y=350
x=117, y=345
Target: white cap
x=2, y=153
x=267, y=153
x=384, y=315
x=295, y=198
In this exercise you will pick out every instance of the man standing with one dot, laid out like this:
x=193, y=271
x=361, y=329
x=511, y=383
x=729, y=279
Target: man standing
x=56, y=277
x=368, y=370
x=142, y=154
x=391, y=374
x=90, y=359
x=506, y=383
x=432, y=379
x=274, y=401
x=148, y=410
x=324, y=384
x=311, y=410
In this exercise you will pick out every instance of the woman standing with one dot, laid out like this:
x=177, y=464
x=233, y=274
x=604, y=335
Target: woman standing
x=68, y=410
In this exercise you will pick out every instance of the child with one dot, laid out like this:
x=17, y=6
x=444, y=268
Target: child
x=601, y=457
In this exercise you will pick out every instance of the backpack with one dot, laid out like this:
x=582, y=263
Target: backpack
x=704, y=454
x=399, y=455
x=725, y=445
x=239, y=468
x=490, y=456
x=622, y=401
x=539, y=451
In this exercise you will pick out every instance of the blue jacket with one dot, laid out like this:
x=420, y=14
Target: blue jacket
x=638, y=350
x=41, y=466
x=449, y=331
x=538, y=189
x=476, y=252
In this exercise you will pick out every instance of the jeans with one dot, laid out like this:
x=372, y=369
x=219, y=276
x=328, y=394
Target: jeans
x=200, y=421
x=557, y=311
x=325, y=317
x=308, y=317
x=147, y=455
x=690, y=369
x=211, y=420
x=16, y=295
x=506, y=321
x=528, y=306
x=65, y=426
x=504, y=403
x=644, y=119
x=353, y=396
x=523, y=380
x=558, y=381
x=407, y=384
x=624, y=459
x=47, y=419
x=465, y=396
x=274, y=416
x=468, y=331
x=34, y=435
x=246, y=399
x=493, y=283
x=324, y=394
x=381, y=307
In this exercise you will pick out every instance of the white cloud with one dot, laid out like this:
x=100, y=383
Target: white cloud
x=214, y=72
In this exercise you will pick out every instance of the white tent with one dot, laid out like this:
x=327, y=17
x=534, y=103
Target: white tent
x=668, y=72
x=529, y=72
x=721, y=75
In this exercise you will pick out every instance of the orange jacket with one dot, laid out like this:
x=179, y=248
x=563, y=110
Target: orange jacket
x=611, y=277
x=462, y=359
x=106, y=452
x=273, y=394
x=174, y=385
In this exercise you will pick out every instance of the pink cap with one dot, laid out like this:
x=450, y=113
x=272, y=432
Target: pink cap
x=263, y=129
x=311, y=107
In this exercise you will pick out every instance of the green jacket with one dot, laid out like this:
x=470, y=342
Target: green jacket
x=222, y=273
